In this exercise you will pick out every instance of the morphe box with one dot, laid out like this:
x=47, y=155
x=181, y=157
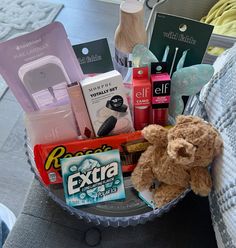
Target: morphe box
x=107, y=104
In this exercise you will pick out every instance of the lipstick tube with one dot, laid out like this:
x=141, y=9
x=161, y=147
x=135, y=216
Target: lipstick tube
x=160, y=116
x=141, y=98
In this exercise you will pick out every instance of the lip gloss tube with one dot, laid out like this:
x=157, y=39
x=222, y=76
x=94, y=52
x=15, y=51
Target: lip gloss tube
x=141, y=98
x=161, y=82
x=160, y=116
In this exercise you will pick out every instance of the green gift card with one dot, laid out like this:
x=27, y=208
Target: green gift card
x=94, y=56
x=179, y=41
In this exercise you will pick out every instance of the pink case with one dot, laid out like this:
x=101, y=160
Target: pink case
x=80, y=111
x=52, y=125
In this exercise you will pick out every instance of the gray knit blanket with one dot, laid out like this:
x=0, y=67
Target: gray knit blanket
x=216, y=103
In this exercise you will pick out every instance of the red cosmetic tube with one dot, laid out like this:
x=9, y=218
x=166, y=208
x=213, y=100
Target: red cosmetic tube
x=160, y=116
x=141, y=98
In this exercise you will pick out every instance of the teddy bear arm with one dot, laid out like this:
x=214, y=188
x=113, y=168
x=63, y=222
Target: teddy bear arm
x=200, y=181
x=142, y=176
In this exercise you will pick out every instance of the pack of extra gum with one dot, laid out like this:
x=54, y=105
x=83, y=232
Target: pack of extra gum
x=48, y=156
x=93, y=178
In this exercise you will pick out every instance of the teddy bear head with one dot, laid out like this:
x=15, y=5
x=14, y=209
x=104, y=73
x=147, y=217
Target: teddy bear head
x=193, y=142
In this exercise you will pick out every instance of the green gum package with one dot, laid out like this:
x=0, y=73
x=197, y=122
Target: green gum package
x=93, y=178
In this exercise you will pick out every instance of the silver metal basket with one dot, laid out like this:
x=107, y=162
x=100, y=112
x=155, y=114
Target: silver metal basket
x=123, y=213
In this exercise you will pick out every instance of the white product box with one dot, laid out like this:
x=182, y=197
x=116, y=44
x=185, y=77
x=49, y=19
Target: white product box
x=107, y=104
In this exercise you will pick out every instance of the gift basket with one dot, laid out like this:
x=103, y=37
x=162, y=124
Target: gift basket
x=100, y=136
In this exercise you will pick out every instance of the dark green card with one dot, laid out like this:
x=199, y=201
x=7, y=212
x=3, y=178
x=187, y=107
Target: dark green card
x=179, y=41
x=94, y=56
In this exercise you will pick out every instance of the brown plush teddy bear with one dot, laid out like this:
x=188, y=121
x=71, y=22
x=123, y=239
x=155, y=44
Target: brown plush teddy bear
x=178, y=158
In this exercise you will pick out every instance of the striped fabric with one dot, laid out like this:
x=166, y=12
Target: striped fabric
x=217, y=104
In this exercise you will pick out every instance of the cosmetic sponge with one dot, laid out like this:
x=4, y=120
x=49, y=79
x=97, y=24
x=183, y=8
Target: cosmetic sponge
x=107, y=126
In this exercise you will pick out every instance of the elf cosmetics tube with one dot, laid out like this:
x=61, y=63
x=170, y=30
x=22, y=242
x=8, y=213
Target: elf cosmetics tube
x=141, y=98
x=161, y=82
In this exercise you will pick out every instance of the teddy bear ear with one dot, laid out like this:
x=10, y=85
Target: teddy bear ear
x=155, y=135
x=186, y=119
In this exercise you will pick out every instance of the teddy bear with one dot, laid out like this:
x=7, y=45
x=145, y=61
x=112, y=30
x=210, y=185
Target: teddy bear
x=178, y=158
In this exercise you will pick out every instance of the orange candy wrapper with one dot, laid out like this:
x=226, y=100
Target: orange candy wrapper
x=47, y=156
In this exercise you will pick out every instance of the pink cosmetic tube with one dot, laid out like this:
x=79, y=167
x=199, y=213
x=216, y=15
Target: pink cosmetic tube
x=80, y=111
x=161, y=83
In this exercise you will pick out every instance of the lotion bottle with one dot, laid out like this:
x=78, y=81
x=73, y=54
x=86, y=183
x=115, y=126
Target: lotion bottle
x=130, y=31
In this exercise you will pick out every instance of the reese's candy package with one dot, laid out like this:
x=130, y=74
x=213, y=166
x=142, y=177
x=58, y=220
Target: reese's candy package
x=48, y=156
